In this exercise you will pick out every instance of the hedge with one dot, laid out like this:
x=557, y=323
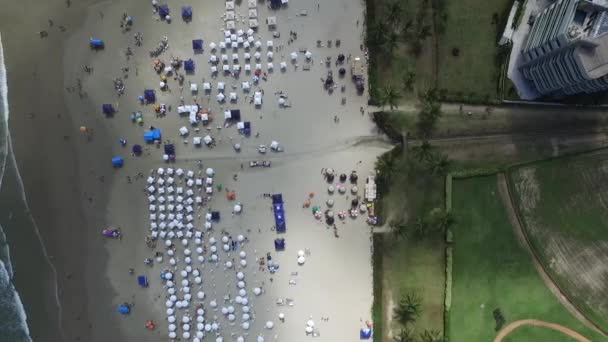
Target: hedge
x=448, y=292
x=377, y=306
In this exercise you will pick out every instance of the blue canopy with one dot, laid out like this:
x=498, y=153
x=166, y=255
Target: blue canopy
x=117, y=161
x=197, y=44
x=148, y=136
x=149, y=95
x=365, y=333
x=124, y=309
x=186, y=12
x=96, y=43
x=156, y=133
x=235, y=114
x=277, y=198
x=215, y=215
x=107, y=109
x=169, y=149
x=275, y=4
x=142, y=281
x=163, y=10
x=279, y=244
x=189, y=65
x=279, y=217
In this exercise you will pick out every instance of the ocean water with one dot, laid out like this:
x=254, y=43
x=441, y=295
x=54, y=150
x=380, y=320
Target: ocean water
x=13, y=320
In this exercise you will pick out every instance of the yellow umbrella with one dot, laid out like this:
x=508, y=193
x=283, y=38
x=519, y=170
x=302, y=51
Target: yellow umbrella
x=83, y=129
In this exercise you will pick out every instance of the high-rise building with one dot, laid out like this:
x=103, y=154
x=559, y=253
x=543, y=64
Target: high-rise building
x=567, y=49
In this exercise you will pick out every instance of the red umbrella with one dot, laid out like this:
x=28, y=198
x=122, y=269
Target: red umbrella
x=257, y=73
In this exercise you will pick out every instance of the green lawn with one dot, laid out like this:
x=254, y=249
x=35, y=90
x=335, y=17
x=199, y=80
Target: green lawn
x=564, y=205
x=416, y=267
x=492, y=271
x=470, y=29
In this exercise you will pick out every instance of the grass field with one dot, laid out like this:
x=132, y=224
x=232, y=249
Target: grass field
x=564, y=205
x=492, y=271
x=470, y=29
x=416, y=267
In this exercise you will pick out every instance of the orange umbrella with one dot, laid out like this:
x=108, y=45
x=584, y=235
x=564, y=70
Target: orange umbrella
x=230, y=195
x=83, y=129
x=307, y=203
x=311, y=194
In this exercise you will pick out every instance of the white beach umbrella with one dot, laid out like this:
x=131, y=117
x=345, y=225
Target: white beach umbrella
x=224, y=311
x=240, y=276
x=199, y=250
x=187, y=296
x=228, y=264
x=170, y=312
x=308, y=55
x=172, y=335
x=240, y=284
x=240, y=238
x=269, y=43
x=309, y=330
x=198, y=280
x=281, y=316
x=171, y=319
x=245, y=309
x=213, y=304
x=269, y=55
x=226, y=248
x=294, y=56
x=210, y=172
x=195, y=273
x=200, y=295
x=185, y=282
x=269, y=324
x=245, y=317
x=171, y=290
x=213, y=249
x=283, y=67
x=169, y=283
x=172, y=262
x=169, y=304
x=231, y=317
x=172, y=327
x=219, y=339
x=187, y=251
x=238, y=299
x=240, y=339
x=245, y=325
x=242, y=292
x=300, y=253
x=243, y=254
x=212, y=46
x=237, y=208
x=260, y=338
x=188, y=268
x=186, y=335
x=184, y=273
x=257, y=56
x=301, y=260
x=214, y=257
x=245, y=301
x=207, y=327
x=214, y=326
x=331, y=189
x=310, y=323
x=200, y=312
x=185, y=319
x=243, y=262
x=225, y=239
x=257, y=291
x=173, y=298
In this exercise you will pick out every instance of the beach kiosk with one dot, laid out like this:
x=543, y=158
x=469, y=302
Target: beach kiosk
x=279, y=244
x=117, y=162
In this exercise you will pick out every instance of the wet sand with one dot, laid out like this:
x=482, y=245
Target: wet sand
x=79, y=192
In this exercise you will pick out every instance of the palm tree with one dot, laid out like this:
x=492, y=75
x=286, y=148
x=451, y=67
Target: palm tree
x=394, y=12
x=405, y=335
x=439, y=164
x=409, y=78
x=423, y=151
x=431, y=336
x=389, y=96
x=391, y=42
x=400, y=229
x=377, y=34
x=408, y=309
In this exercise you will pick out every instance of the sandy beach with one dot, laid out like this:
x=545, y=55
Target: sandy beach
x=79, y=192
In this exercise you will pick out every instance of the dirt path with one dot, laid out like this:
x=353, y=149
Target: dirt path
x=503, y=190
x=536, y=323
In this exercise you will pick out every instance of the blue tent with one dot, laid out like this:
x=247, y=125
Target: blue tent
x=149, y=95
x=148, y=136
x=117, y=162
x=365, y=333
x=189, y=65
x=124, y=309
x=247, y=129
x=279, y=217
x=197, y=44
x=156, y=134
x=163, y=10
x=279, y=244
x=96, y=43
x=142, y=281
x=186, y=12
x=137, y=149
x=107, y=109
